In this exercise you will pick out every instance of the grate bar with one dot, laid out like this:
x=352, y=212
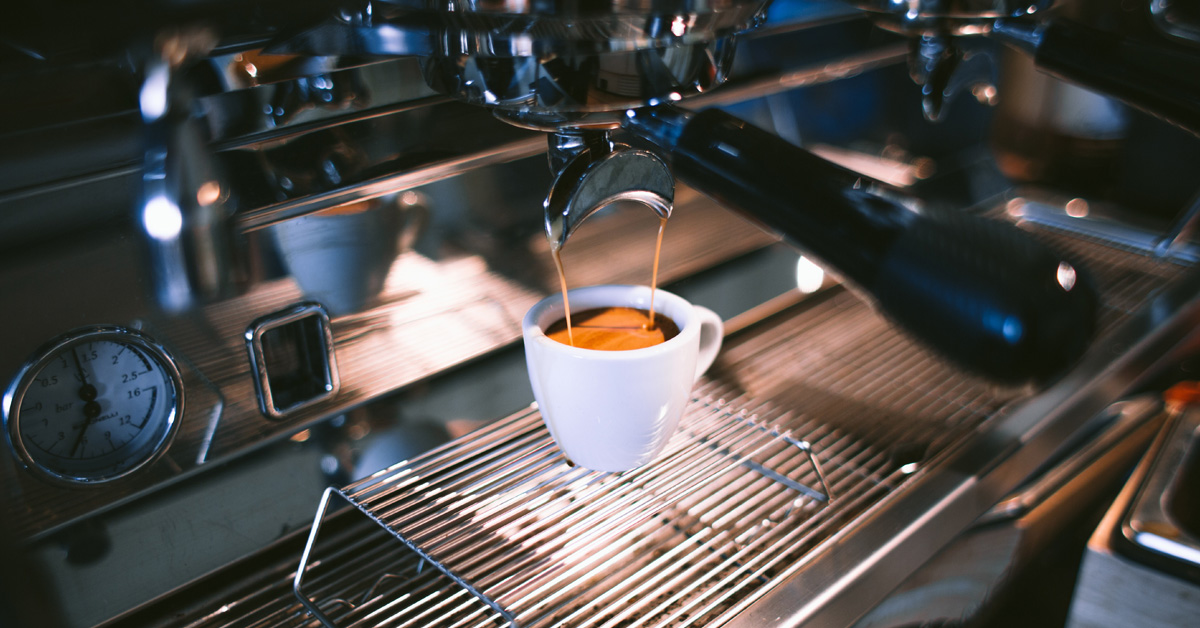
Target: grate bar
x=638, y=503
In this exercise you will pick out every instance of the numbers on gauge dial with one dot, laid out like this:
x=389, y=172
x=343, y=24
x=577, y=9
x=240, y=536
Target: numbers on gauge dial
x=94, y=400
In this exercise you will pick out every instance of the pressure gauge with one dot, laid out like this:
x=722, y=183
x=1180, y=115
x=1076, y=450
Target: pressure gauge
x=94, y=405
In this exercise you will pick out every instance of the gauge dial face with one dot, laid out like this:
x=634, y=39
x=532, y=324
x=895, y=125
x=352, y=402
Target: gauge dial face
x=94, y=406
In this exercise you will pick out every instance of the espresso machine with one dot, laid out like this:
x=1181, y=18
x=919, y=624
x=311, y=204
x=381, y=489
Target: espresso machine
x=265, y=265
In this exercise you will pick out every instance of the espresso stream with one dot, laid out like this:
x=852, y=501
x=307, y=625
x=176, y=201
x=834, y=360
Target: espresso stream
x=639, y=325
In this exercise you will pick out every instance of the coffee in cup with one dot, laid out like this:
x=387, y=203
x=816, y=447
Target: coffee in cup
x=614, y=329
x=616, y=409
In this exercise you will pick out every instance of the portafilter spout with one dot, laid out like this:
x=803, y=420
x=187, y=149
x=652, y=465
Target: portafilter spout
x=593, y=172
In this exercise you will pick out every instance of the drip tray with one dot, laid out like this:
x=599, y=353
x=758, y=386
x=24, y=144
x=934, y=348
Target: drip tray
x=535, y=541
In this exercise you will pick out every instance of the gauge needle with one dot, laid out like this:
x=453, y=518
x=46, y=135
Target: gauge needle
x=87, y=392
x=79, y=440
x=79, y=367
x=91, y=409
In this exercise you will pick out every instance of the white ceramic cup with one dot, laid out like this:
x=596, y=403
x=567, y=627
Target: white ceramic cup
x=616, y=410
x=342, y=259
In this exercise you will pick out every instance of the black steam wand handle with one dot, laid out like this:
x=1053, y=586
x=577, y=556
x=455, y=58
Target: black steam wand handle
x=980, y=292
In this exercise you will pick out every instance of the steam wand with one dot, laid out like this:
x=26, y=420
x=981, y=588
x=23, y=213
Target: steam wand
x=184, y=213
x=980, y=292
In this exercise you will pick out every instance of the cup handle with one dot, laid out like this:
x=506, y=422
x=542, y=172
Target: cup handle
x=712, y=333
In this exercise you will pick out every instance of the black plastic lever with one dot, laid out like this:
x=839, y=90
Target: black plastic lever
x=981, y=292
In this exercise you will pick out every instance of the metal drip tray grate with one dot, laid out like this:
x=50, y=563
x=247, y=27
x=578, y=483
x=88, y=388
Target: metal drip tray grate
x=500, y=530
x=539, y=542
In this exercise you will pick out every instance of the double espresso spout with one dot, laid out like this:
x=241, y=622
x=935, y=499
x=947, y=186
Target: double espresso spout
x=593, y=172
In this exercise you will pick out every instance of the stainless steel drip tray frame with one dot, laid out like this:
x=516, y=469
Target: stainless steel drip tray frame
x=1151, y=528
x=729, y=543
x=539, y=541
x=854, y=570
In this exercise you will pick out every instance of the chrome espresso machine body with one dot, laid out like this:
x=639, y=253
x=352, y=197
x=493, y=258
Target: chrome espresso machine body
x=263, y=261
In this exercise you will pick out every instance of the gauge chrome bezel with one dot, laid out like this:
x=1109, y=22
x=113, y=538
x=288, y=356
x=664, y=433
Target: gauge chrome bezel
x=19, y=386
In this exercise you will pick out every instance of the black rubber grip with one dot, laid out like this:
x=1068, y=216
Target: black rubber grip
x=988, y=296
x=982, y=293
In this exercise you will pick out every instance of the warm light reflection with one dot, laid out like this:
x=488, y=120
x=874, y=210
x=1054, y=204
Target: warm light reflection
x=809, y=276
x=1015, y=207
x=985, y=94
x=1077, y=208
x=974, y=29
x=209, y=193
x=358, y=430
x=1066, y=276
x=924, y=167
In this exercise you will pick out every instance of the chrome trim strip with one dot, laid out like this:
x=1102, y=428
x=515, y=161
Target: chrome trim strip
x=258, y=365
x=1149, y=521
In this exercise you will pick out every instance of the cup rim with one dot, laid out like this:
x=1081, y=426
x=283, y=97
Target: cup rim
x=533, y=332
